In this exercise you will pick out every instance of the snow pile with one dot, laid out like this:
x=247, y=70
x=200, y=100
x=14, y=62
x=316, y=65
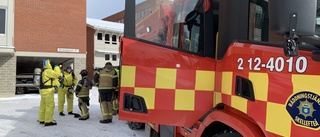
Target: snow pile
x=19, y=114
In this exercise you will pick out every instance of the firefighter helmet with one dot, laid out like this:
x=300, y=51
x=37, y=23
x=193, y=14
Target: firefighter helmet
x=83, y=72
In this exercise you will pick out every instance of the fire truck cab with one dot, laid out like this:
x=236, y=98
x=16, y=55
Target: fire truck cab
x=218, y=68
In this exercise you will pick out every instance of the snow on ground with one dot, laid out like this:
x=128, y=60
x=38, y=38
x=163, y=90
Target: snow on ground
x=19, y=114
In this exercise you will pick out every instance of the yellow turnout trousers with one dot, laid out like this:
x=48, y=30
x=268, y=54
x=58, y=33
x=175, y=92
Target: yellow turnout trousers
x=115, y=105
x=83, y=107
x=106, y=110
x=62, y=95
x=46, y=105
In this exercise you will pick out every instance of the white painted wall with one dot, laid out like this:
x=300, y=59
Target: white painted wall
x=100, y=61
x=102, y=48
x=6, y=40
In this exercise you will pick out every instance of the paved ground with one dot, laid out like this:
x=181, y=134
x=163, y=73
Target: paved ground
x=18, y=116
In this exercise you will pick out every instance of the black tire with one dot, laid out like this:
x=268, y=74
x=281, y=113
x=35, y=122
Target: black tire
x=154, y=133
x=21, y=90
x=135, y=125
x=228, y=135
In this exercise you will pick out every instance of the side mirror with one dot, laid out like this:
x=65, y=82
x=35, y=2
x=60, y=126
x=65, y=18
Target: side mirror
x=191, y=16
x=281, y=12
x=292, y=19
x=190, y=19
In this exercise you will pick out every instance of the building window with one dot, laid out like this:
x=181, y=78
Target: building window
x=136, y=17
x=2, y=21
x=107, y=57
x=114, y=57
x=114, y=39
x=107, y=38
x=99, y=36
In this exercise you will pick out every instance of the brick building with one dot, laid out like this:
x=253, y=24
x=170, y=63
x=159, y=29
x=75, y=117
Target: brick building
x=117, y=17
x=142, y=10
x=44, y=29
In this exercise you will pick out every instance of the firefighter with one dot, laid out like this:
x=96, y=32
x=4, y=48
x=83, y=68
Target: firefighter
x=48, y=86
x=115, y=100
x=107, y=80
x=82, y=92
x=66, y=90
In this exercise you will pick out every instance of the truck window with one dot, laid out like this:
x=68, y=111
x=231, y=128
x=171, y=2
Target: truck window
x=259, y=23
x=318, y=19
x=256, y=23
x=166, y=23
x=318, y=26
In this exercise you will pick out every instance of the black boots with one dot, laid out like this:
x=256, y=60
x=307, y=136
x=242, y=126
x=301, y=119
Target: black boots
x=69, y=113
x=106, y=121
x=52, y=123
x=76, y=115
x=40, y=122
x=61, y=114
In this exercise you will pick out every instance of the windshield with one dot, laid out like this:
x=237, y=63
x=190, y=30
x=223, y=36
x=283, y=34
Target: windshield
x=166, y=22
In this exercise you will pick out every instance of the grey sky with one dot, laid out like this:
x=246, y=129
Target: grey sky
x=99, y=9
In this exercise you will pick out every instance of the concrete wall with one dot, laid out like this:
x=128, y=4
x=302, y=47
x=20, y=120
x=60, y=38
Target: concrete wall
x=7, y=58
x=7, y=75
x=79, y=64
x=99, y=59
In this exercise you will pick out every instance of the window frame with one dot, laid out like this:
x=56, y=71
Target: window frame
x=5, y=20
x=114, y=41
x=107, y=39
x=114, y=57
x=107, y=57
x=98, y=38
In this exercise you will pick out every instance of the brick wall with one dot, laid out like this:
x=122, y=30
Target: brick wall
x=45, y=25
x=7, y=75
x=90, y=51
x=115, y=17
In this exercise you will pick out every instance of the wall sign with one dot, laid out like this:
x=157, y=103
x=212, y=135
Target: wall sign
x=67, y=50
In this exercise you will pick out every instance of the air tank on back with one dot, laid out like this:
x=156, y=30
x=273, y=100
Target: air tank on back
x=36, y=77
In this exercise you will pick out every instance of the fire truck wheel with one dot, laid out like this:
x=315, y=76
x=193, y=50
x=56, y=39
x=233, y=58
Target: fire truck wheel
x=154, y=133
x=228, y=135
x=135, y=125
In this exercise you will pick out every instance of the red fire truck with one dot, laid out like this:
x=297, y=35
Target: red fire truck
x=220, y=68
